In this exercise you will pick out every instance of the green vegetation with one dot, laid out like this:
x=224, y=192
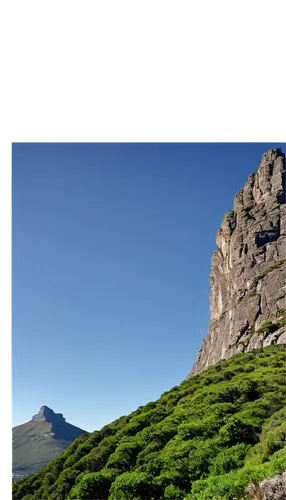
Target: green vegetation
x=270, y=327
x=206, y=439
x=281, y=323
x=251, y=332
x=267, y=327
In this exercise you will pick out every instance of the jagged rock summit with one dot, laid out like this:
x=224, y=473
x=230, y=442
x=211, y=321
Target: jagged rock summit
x=247, y=277
x=45, y=414
x=40, y=440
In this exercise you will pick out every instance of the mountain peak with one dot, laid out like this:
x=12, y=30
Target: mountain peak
x=40, y=440
x=44, y=407
x=46, y=414
x=271, y=155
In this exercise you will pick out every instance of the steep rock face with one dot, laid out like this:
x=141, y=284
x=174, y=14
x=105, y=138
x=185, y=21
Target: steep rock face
x=247, y=277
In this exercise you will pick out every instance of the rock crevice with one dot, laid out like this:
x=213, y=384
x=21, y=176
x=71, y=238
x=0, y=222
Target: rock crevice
x=247, y=277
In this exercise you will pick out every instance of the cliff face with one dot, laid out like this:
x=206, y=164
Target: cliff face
x=247, y=277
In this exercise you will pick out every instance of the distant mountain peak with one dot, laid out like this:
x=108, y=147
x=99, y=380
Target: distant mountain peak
x=44, y=437
x=46, y=414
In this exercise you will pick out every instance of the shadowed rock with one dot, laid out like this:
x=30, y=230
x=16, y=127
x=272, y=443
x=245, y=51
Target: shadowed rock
x=45, y=414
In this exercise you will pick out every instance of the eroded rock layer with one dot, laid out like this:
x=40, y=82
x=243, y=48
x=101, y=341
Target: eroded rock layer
x=247, y=277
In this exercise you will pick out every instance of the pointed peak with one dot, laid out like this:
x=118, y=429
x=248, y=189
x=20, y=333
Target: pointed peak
x=46, y=414
x=271, y=155
x=44, y=407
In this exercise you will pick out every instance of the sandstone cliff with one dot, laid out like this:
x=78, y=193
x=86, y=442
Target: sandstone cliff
x=247, y=277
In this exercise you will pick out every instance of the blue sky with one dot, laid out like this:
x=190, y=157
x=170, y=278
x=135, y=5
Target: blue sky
x=111, y=251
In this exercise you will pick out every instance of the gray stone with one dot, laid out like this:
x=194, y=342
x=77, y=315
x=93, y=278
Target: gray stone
x=272, y=488
x=247, y=277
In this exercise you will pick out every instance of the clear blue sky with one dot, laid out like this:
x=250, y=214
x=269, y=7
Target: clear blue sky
x=112, y=246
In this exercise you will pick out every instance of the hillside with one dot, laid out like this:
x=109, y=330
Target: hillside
x=206, y=439
x=40, y=440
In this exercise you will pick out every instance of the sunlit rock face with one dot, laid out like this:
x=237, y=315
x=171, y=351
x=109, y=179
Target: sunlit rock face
x=247, y=277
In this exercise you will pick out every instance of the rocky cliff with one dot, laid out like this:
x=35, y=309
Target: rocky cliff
x=247, y=277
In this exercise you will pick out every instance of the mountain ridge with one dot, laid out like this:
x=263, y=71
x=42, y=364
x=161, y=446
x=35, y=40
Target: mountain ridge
x=38, y=441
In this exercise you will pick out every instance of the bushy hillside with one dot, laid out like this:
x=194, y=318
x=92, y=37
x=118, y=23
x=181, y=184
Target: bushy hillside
x=205, y=439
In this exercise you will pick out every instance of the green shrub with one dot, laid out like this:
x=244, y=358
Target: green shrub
x=172, y=492
x=268, y=327
x=281, y=323
x=131, y=486
x=229, y=459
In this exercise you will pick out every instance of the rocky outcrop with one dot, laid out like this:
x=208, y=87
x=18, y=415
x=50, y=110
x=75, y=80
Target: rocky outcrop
x=273, y=488
x=45, y=414
x=247, y=277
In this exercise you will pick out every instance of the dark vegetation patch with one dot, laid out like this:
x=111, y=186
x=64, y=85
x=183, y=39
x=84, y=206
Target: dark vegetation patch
x=270, y=327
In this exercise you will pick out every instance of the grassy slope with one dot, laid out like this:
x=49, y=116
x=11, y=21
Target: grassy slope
x=203, y=440
x=32, y=451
